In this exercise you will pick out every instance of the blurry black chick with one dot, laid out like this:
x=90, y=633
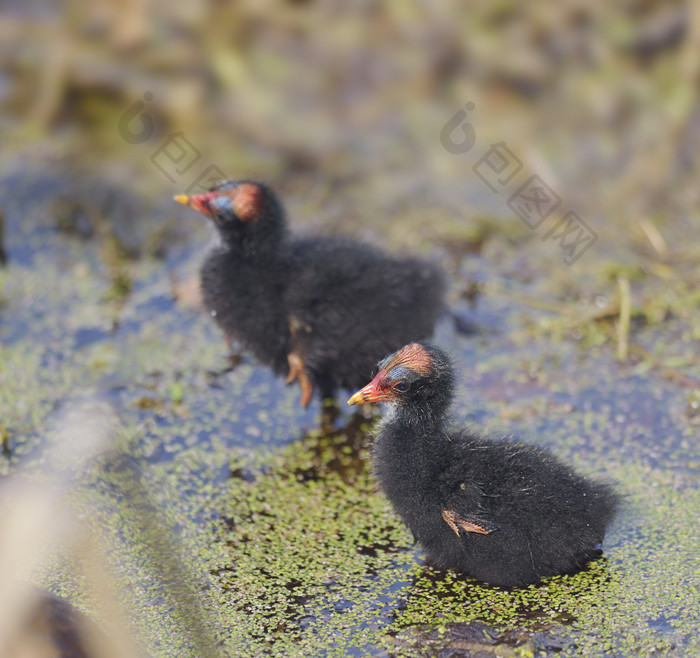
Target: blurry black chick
x=502, y=511
x=318, y=309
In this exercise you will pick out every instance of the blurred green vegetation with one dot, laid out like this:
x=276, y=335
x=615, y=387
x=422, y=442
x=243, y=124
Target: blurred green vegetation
x=601, y=99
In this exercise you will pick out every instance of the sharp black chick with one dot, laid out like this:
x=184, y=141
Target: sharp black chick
x=502, y=511
x=318, y=309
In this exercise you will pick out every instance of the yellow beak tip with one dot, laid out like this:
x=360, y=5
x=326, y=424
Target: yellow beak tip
x=182, y=198
x=356, y=399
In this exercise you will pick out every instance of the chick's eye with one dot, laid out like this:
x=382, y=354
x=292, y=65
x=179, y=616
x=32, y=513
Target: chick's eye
x=401, y=386
x=222, y=207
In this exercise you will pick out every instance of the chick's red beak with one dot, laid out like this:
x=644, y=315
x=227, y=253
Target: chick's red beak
x=198, y=202
x=373, y=392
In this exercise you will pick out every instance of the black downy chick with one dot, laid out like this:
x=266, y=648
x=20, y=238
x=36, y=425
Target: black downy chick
x=318, y=309
x=502, y=511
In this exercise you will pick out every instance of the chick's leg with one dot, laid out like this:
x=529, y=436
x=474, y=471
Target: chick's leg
x=295, y=359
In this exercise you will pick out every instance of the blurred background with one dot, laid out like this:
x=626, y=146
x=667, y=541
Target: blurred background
x=340, y=102
x=409, y=125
